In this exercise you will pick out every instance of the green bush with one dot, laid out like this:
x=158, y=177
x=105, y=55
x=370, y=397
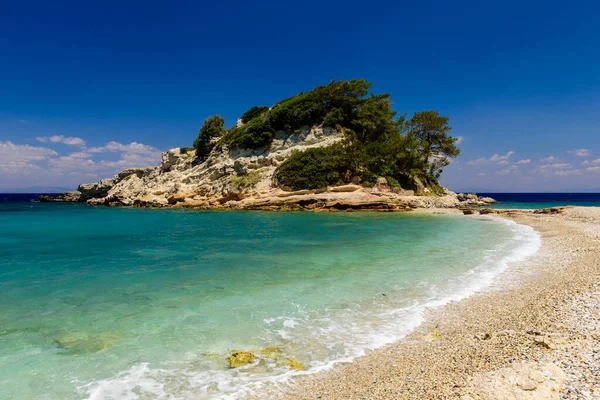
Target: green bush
x=315, y=168
x=211, y=128
x=254, y=112
x=254, y=134
x=295, y=112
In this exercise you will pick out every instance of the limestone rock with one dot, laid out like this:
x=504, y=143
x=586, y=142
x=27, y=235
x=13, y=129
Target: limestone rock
x=238, y=178
x=177, y=159
x=346, y=188
x=96, y=190
x=294, y=364
x=241, y=358
x=273, y=352
x=382, y=186
x=60, y=197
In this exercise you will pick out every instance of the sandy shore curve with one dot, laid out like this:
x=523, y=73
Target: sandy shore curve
x=534, y=334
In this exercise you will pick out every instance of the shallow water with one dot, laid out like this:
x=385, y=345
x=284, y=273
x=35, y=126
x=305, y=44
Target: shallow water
x=109, y=303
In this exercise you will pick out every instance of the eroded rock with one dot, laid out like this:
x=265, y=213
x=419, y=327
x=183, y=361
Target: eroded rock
x=241, y=358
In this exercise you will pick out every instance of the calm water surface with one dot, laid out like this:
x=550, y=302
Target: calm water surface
x=109, y=303
x=544, y=200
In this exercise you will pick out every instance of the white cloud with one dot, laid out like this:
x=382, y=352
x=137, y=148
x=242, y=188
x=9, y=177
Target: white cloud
x=595, y=162
x=10, y=152
x=133, y=147
x=567, y=172
x=459, y=140
x=21, y=159
x=580, y=152
x=553, y=166
x=131, y=161
x=512, y=170
x=560, y=169
x=70, y=141
x=592, y=169
x=80, y=154
x=31, y=165
x=524, y=161
x=550, y=159
x=496, y=158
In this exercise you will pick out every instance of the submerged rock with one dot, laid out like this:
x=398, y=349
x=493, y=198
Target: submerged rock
x=273, y=352
x=83, y=343
x=241, y=358
x=294, y=364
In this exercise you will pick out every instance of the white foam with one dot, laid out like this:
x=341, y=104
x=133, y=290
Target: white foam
x=142, y=381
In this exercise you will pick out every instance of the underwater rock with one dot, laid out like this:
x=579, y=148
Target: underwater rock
x=294, y=364
x=273, y=352
x=82, y=343
x=240, y=358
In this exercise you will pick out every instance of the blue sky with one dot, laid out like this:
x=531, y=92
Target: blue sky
x=88, y=89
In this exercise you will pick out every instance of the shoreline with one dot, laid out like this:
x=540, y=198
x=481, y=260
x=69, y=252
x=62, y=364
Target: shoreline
x=514, y=339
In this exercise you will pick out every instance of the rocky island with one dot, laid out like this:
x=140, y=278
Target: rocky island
x=336, y=147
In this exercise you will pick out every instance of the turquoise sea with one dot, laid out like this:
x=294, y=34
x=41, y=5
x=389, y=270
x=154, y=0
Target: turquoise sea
x=543, y=200
x=104, y=303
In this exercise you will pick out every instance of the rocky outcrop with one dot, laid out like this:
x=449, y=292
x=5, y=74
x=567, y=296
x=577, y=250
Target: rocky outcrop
x=60, y=197
x=240, y=358
x=234, y=178
x=471, y=199
x=177, y=159
x=227, y=175
x=382, y=186
x=102, y=188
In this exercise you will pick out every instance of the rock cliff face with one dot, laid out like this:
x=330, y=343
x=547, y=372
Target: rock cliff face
x=244, y=179
x=227, y=174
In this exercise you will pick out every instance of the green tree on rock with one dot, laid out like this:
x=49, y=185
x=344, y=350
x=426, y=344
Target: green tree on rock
x=430, y=130
x=211, y=128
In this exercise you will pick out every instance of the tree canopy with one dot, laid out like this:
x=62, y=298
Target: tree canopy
x=211, y=128
x=378, y=142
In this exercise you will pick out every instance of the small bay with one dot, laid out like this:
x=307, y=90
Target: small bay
x=111, y=303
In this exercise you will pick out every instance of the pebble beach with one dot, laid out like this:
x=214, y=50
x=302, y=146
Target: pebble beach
x=535, y=334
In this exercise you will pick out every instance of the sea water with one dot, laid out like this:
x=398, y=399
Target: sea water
x=108, y=303
x=543, y=200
